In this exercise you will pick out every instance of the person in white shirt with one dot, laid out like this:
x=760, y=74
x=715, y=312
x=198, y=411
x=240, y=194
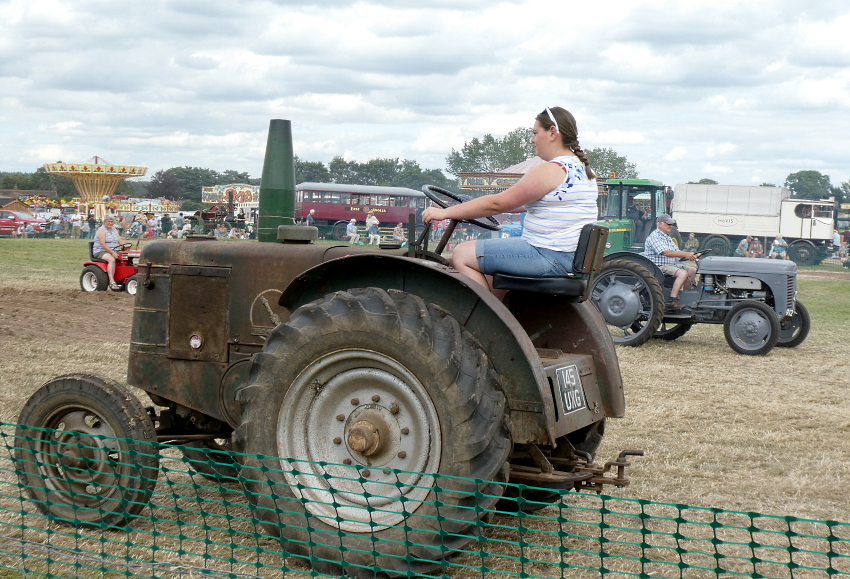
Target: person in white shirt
x=559, y=198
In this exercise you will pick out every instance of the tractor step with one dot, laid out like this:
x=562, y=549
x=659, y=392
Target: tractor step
x=583, y=473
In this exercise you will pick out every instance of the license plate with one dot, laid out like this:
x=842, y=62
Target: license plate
x=572, y=392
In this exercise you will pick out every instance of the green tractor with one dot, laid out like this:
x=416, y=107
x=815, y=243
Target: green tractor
x=629, y=211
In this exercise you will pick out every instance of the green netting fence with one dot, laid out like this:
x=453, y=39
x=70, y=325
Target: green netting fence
x=87, y=506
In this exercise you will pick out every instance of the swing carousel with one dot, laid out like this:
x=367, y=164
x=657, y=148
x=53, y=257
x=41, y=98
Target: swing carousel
x=96, y=180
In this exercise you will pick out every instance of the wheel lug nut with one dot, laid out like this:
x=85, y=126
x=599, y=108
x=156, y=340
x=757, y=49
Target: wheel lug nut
x=394, y=408
x=365, y=473
x=376, y=398
x=340, y=417
x=355, y=401
x=337, y=440
x=402, y=454
x=405, y=430
x=346, y=461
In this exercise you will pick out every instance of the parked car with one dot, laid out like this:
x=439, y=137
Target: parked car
x=11, y=220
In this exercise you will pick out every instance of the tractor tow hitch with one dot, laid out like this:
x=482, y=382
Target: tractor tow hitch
x=580, y=472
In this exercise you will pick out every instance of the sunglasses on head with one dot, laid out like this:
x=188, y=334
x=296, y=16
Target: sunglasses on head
x=552, y=118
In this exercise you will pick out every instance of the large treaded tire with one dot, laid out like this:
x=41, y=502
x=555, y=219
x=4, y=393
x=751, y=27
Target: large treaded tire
x=100, y=466
x=804, y=253
x=794, y=329
x=630, y=299
x=397, y=337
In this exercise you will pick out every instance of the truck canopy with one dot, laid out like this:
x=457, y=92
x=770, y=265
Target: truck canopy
x=729, y=199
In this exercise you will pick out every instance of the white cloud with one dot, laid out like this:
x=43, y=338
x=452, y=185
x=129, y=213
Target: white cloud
x=676, y=154
x=681, y=88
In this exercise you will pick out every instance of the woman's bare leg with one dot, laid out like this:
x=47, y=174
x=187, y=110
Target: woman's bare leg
x=466, y=262
x=110, y=267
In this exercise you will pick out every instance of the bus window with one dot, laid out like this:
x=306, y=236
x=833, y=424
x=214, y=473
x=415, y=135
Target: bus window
x=299, y=196
x=335, y=198
x=419, y=202
x=360, y=199
x=400, y=201
x=381, y=200
x=341, y=198
x=312, y=196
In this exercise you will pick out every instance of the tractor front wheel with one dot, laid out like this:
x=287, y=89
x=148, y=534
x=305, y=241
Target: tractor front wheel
x=751, y=328
x=85, y=451
x=368, y=394
x=131, y=286
x=794, y=329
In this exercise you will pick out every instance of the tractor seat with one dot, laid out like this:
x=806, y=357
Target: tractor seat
x=586, y=264
x=91, y=254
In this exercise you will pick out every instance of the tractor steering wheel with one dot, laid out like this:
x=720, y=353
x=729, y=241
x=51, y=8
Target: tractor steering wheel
x=703, y=253
x=432, y=192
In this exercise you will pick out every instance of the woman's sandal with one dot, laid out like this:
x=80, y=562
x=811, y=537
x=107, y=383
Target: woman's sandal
x=116, y=287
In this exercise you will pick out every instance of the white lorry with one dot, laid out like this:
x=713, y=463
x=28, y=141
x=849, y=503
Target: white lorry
x=721, y=215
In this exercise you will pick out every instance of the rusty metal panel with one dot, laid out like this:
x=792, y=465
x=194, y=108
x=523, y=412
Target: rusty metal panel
x=575, y=328
x=198, y=313
x=187, y=382
x=569, y=420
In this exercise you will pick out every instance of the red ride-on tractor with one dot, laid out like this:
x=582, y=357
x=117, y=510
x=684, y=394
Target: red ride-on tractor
x=95, y=278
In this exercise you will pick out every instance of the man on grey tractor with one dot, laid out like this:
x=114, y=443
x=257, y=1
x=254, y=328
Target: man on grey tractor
x=662, y=251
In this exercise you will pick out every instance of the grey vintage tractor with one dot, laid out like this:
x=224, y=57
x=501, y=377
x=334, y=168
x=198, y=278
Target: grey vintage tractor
x=754, y=299
x=368, y=370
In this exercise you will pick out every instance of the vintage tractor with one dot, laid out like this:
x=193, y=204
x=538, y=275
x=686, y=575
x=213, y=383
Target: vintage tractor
x=366, y=369
x=94, y=276
x=754, y=299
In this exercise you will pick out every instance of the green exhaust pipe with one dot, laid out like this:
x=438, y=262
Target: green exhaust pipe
x=277, y=190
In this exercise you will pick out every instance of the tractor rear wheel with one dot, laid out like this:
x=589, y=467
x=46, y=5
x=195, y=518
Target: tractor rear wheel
x=93, y=279
x=672, y=331
x=211, y=458
x=96, y=462
x=630, y=299
x=794, y=329
x=751, y=328
x=362, y=392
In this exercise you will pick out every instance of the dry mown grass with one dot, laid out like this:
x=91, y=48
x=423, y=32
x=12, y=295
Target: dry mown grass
x=763, y=434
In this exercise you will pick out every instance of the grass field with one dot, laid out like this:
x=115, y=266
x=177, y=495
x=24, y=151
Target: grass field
x=768, y=434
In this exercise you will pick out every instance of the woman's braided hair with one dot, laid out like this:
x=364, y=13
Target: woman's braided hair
x=569, y=133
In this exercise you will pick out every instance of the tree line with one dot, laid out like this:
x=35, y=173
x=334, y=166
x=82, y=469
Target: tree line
x=485, y=155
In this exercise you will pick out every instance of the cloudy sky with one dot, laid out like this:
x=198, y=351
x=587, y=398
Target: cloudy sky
x=740, y=91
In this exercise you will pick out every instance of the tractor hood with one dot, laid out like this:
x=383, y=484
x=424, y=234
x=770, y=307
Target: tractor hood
x=747, y=266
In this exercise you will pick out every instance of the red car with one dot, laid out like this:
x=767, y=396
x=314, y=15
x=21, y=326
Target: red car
x=11, y=220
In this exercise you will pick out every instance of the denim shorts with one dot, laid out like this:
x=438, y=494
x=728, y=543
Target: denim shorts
x=515, y=256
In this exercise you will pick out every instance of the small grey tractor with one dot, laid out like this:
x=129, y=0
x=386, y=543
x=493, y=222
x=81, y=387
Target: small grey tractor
x=754, y=299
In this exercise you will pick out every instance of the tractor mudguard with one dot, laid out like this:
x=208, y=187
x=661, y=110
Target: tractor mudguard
x=639, y=259
x=581, y=335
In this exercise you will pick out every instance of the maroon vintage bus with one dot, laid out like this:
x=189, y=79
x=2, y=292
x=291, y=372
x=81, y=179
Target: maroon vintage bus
x=336, y=204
